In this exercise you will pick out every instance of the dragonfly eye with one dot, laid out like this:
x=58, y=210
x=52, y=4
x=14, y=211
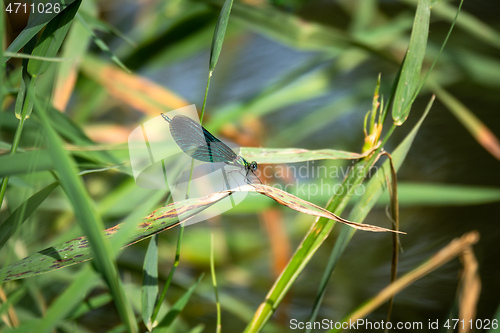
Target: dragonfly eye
x=253, y=165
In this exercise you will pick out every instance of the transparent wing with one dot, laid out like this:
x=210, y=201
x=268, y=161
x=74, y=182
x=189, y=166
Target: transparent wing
x=199, y=143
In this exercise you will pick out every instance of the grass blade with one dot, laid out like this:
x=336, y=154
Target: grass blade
x=214, y=283
x=412, y=64
x=74, y=48
x=481, y=133
x=374, y=190
x=22, y=163
x=422, y=194
x=392, y=185
x=468, y=22
x=30, y=56
x=12, y=299
x=102, y=45
x=23, y=212
x=219, y=33
x=77, y=250
x=469, y=287
x=449, y=252
x=217, y=41
x=65, y=303
x=309, y=208
x=295, y=155
x=150, y=282
x=23, y=108
x=51, y=39
x=163, y=326
x=102, y=26
x=34, y=26
x=316, y=235
x=90, y=304
x=88, y=219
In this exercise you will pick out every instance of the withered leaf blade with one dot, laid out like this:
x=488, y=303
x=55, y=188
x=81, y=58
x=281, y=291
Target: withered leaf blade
x=306, y=207
x=77, y=250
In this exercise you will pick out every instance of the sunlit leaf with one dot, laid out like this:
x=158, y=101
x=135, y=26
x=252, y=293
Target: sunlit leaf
x=294, y=155
x=34, y=26
x=150, y=282
x=52, y=37
x=77, y=250
x=409, y=79
x=87, y=217
x=219, y=33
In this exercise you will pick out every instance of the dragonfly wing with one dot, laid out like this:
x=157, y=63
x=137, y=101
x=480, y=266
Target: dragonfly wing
x=197, y=142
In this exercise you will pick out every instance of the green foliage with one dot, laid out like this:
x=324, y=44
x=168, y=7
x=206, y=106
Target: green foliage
x=52, y=38
x=293, y=83
x=409, y=79
x=219, y=33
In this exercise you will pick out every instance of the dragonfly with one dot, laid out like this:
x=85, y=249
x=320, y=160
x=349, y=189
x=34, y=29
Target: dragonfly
x=197, y=142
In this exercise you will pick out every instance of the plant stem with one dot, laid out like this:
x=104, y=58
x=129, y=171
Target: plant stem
x=13, y=150
x=170, y=275
x=205, y=98
x=214, y=282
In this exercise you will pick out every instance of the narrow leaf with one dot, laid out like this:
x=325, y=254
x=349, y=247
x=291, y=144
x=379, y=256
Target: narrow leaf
x=23, y=212
x=176, y=309
x=75, y=47
x=24, y=103
x=306, y=207
x=432, y=194
x=481, y=133
x=30, y=56
x=375, y=188
x=412, y=64
x=52, y=37
x=12, y=299
x=373, y=191
x=77, y=250
x=214, y=283
x=103, y=26
x=87, y=218
x=449, y=252
x=102, y=45
x=469, y=286
x=91, y=304
x=150, y=282
x=294, y=155
x=67, y=301
x=220, y=31
x=34, y=26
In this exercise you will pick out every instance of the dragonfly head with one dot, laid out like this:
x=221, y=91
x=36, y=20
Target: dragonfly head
x=253, y=166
